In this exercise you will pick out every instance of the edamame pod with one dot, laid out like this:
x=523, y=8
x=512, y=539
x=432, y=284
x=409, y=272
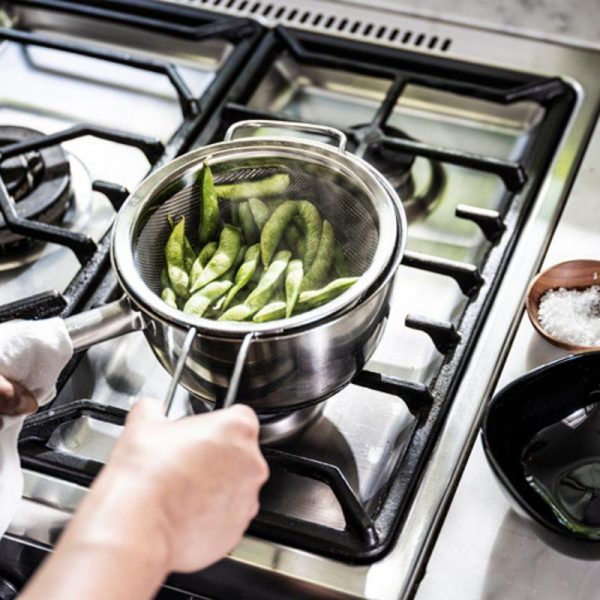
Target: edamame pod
x=312, y=226
x=270, y=186
x=189, y=256
x=251, y=232
x=293, y=238
x=222, y=260
x=175, y=263
x=169, y=297
x=201, y=261
x=293, y=281
x=273, y=229
x=260, y=212
x=261, y=295
x=314, y=298
x=230, y=274
x=317, y=272
x=270, y=312
x=339, y=263
x=188, y=250
x=244, y=273
x=200, y=301
x=209, y=219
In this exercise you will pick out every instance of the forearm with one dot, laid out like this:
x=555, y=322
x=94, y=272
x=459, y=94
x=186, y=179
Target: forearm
x=113, y=549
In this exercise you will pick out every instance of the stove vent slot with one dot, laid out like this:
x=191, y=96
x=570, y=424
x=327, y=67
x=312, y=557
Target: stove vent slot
x=275, y=13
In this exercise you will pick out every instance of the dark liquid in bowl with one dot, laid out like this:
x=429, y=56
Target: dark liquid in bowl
x=562, y=464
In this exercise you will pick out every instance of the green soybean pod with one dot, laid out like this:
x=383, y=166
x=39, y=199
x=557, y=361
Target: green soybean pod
x=312, y=226
x=176, y=270
x=317, y=273
x=339, y=263
x=189, y=256
x=249, y=228
x=201, y=261
x=314, y=298
x=292, y=237
x=209, y=219
x=222, y=260
x=235, y=213
x=270, y=186
x=169, y=297
x=244, y=273
x=293, y=281
x=274, y=227
x=230, y=274
x=188, y=250
x=270, y=312
x=239, y=312
x=199, y=302
x=269, y=281
x=261, y=295
x=260, y=212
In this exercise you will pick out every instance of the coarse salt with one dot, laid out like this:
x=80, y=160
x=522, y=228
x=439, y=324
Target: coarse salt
x=572, y=316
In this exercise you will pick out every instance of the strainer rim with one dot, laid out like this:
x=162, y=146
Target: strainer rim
x=384, y=198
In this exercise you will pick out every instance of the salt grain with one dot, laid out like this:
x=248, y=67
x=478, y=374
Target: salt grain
x=572, y=316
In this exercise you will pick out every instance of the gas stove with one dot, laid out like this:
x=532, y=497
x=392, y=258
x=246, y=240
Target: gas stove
x=481, y=135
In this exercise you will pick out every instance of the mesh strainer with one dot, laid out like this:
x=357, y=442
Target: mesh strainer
x=362, y=216
x=282, y=365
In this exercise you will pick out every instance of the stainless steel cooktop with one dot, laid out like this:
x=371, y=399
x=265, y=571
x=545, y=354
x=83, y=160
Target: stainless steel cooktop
x=365, y=430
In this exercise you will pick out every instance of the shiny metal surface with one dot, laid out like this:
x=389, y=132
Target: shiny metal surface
x=109, y=321
x=319, y=130
x=294, y=573
x=283, y=372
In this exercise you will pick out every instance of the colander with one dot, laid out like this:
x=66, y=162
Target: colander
x=288, y=363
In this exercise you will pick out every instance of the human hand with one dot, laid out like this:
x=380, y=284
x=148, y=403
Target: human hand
x=186, y=489
x=15, y=399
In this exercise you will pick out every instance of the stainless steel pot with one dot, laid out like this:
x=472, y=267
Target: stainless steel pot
x=287, y=364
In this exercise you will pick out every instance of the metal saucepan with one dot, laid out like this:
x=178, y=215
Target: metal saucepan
x=287, y=364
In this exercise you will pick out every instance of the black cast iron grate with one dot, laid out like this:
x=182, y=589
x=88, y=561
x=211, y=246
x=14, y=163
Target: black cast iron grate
x=367, y=535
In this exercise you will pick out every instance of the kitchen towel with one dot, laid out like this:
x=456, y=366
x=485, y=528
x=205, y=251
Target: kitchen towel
x=32, y=353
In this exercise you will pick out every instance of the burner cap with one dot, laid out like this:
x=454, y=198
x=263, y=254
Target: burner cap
x=38, y=181
x=417, y=181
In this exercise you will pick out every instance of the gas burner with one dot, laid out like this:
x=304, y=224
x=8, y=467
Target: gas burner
x=76, y=217
x=417, y=181
x=277, y=428
x=38, y=181
x=273, y=428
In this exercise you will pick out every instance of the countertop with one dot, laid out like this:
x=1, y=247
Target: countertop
x=484, y=550
x=574, y=21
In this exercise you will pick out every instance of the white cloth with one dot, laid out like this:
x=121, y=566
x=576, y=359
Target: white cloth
x=32, y=353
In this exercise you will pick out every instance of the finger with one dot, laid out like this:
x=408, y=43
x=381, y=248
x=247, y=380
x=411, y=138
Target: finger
x=245, y=418
x=145, y=409
x=15, y=399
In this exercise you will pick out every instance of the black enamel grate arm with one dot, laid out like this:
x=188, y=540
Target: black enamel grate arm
x=357, y=518
x=466, y=275
x=189, y=104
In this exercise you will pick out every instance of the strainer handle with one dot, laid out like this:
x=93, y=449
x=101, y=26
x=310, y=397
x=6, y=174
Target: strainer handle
x=331, y=132
x=103, y=323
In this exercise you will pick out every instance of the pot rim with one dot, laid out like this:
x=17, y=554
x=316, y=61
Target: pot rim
x=390, y=248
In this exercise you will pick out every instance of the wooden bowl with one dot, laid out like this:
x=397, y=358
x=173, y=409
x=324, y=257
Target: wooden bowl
x=573, y=274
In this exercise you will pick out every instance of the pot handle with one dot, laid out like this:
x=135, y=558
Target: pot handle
x=103, y=323
x=322, y=130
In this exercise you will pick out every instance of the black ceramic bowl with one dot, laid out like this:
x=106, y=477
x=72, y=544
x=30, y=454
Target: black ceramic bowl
x=519, y=411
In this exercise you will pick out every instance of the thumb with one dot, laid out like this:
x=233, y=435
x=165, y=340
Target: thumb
x=145, y=409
